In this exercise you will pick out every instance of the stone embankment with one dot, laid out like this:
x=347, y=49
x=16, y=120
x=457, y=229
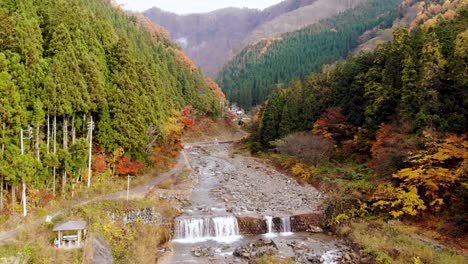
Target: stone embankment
x=312, y=223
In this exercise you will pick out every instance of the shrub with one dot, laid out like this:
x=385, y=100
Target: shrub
x=314, y=149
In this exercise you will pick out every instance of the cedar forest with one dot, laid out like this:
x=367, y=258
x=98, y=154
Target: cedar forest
x=258, y=69
x=398, y=113
x=64, y=63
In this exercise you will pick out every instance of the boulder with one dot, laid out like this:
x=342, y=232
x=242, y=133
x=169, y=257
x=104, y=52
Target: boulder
x=258, y=249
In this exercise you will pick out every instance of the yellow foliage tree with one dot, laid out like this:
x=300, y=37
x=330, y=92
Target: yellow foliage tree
x=437, y=170
x=303, y=172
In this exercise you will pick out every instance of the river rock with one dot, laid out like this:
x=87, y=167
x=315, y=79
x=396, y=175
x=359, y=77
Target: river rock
x=202, y=251
x=257, y=249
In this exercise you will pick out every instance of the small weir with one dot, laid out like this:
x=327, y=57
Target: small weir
x=224, y=229
x=269, y=224
x=286, y=225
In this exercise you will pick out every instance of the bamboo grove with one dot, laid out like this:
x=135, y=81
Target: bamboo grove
x=64, y=63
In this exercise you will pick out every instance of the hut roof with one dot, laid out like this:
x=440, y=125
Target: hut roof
x=70, y=226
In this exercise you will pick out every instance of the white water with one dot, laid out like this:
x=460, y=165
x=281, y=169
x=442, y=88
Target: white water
x=223, y=229
x=286, y=226
x=330, y=257
x=269, y=223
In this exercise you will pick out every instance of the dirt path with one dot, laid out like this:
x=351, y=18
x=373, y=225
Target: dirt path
x=137, y=192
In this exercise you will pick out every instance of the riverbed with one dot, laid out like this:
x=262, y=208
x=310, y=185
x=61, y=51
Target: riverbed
x=226, y=187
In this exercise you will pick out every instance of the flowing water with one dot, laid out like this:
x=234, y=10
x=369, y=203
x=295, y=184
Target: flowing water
x=286, y=225
x=199, y=229
x=208, y=224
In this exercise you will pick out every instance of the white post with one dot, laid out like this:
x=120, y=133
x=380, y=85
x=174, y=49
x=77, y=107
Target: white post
x=25, y=210
x=128, y=186
x=91, y=127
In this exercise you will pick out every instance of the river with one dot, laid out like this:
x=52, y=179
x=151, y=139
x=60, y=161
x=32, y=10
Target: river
x=228, y=188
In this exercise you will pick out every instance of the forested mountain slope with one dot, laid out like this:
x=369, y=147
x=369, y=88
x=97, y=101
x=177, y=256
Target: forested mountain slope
x=63, y=62
x=385, y=132
x=299, y=18
x=210, y=39
x=250, y=77
x=420, y=76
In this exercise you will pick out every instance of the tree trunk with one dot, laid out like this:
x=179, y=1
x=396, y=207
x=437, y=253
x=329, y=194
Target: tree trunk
x=73, y=130
x=48, y=134
x=3, y=137
x=38, y=151
x=65, y=133
x=64, y=181
x=73, y=187
x=38, y=145
x=1, y=196
x=65, y=146
x=54, y=136
x=53, y=184
x=84, y=122
x=13, y=198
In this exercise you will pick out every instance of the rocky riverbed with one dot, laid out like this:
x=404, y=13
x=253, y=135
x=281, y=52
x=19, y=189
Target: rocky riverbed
x=248, y=186
x=245, y=188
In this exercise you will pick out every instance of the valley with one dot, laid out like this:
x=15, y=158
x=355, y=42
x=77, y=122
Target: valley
x=303, y=132
x=236, y=201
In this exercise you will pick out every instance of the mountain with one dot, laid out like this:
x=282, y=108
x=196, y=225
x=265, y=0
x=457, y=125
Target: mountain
x=299, y=18
x=419, y=77
x=63, y=62
x=249, y=78
x=387, y=128
x=211, y=39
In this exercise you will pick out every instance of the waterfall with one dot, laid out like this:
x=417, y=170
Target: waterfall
x=198, y=229
x=269, y=223
x=285, y=225
x=225, y=226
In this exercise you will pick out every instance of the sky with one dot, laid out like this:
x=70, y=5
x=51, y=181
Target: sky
x=193, y=6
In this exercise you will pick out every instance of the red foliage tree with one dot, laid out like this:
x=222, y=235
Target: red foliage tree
x=333, y=125
x=186, y=116
x=390, y=148
x=99, y=163
x=125, y=166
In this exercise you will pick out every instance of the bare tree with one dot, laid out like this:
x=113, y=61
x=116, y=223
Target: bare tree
x=306, y=146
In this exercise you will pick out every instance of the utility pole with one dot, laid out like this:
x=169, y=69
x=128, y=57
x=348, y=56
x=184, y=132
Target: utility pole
x=90, y=129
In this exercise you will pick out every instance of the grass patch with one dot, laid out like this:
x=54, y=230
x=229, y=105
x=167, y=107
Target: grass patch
x=167, y=184
x=131, y=243
x=35, y=245
x=389, y=245
x=273, y=260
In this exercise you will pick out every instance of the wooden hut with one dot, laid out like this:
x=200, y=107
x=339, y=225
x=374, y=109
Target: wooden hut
x=70, y=234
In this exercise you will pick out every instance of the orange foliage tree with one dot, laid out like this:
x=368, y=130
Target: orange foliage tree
x=333, y=125
x=99, y=163
x=216, y=89
x=125, y=166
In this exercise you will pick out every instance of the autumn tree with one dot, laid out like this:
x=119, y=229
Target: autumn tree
x=125, y=167
x=333, y=125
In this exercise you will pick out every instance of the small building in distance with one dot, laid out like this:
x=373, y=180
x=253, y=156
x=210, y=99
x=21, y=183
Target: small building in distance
x=70, y=234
